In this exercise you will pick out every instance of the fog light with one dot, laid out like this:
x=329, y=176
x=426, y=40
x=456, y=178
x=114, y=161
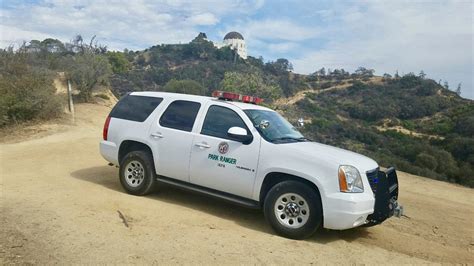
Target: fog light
x=359, y=221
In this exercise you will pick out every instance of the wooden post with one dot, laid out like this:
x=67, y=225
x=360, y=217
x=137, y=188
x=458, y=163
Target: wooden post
x=71, y=103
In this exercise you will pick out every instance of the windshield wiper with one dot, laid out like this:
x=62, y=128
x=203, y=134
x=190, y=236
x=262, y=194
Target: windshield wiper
x=302, y=139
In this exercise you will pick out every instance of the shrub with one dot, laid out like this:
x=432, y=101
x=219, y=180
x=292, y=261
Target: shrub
x=426, y=161
x=184, y=86
x=87, y=71
x=103, y=96
x=26, y=93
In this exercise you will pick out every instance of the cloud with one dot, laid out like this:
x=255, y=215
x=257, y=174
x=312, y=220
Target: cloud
x=278, y=29
x=203, y=19
x=404, y=36
x=282, y=47
x=118, y=24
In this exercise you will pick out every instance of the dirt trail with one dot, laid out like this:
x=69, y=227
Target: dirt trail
x=60, y=204
x=302, y=94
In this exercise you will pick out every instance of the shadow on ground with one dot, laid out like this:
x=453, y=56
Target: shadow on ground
x=107, y=177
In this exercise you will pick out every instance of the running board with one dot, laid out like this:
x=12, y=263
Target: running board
x=248, y=203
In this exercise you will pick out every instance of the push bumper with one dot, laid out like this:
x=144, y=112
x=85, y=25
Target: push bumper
x=386, y=197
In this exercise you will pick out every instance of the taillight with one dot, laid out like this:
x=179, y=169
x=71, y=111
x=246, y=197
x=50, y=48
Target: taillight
x=105, y=132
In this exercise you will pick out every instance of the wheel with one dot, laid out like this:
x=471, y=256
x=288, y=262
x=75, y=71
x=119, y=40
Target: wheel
x=137, y=173
x=293, y=209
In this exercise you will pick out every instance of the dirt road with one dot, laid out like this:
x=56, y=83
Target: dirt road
x=60, y=203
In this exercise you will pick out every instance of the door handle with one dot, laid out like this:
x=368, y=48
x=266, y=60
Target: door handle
x=202, y=145
x=157, y=135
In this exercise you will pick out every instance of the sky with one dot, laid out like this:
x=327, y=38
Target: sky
x=388, y=36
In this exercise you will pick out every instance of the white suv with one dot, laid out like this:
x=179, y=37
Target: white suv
x=247, y=154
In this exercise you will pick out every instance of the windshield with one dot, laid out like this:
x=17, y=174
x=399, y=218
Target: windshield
x=273, y=127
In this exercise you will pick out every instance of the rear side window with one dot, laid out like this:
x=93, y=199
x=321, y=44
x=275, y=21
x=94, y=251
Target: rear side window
x=218, y=121
x=135, y=108
x=180, y=115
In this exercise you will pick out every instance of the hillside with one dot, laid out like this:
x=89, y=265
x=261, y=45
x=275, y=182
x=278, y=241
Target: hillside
x=407, y=121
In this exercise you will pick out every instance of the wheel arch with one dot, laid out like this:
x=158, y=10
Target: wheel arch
x=131, y=145
x=274, y=178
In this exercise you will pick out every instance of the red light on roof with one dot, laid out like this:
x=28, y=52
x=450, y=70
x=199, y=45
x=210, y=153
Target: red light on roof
x=246, y=98
x=231, y=96
x=258, y=100
x=226, y=95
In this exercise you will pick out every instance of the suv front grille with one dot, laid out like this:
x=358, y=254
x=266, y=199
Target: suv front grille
x=373, y=177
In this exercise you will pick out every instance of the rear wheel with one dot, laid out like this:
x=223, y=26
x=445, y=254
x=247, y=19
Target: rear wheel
x=293, y=209
x=137, y=173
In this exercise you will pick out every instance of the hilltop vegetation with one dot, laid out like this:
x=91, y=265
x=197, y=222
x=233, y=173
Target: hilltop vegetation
x=210, y=67
x=410, y=122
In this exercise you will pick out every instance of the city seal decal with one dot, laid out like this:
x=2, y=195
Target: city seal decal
x=223, y=147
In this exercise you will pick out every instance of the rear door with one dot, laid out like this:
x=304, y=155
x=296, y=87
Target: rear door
x=218, y=162
x=172, y=138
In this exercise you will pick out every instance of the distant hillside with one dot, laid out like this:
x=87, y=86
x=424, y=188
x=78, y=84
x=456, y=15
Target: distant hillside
x=410, y=122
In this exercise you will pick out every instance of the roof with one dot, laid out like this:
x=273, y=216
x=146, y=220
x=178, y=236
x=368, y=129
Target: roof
x=179, y=96
x=249, y=106
x=233, y=35
x=189, y=97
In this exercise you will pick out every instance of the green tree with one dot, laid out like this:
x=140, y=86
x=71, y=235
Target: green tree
x=426, y=161
x=184, y=86
x=446, y=85
x=118, y=61
x=87, y=71
x=364, y=72
x=458, y=89
x=26, y=92
x=250, y=84
x=422, y=74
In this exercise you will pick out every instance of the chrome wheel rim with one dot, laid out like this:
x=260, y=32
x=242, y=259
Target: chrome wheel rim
x=291, y=210
x=134, y=173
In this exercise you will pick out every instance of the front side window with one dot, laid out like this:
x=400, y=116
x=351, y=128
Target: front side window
x=218, y=121
x=273, y=127
x=180, y=115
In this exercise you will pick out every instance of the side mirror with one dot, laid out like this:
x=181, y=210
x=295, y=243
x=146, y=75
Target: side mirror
x=239, y=134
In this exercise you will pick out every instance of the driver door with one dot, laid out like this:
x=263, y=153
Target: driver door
x=217, y=161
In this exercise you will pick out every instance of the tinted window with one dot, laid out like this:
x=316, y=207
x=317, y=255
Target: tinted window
x=135, y=108
x=218, y=121
x=180, y=115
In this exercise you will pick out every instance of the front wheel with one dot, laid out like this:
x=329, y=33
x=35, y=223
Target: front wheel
x=293, y=209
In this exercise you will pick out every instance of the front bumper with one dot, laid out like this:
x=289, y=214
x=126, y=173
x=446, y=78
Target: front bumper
x=349, y=210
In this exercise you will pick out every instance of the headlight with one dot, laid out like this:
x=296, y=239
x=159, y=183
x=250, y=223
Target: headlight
x=349, y=179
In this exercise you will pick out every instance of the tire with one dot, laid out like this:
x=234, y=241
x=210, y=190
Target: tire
x=293, y=209
x=137, y=173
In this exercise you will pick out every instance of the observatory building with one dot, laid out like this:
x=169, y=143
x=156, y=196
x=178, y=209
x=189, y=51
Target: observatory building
x=236, y=42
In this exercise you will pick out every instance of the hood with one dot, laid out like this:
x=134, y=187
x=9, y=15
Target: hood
x=333, y=155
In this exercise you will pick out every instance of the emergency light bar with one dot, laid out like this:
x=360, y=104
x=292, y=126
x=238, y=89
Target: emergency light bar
x=231, y=96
